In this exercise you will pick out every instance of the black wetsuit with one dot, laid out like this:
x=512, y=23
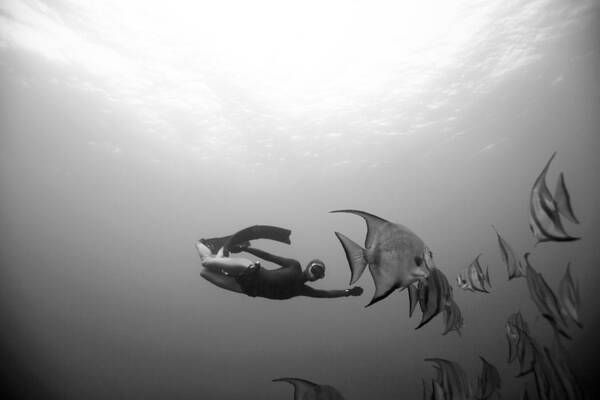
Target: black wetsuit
x=283, y=283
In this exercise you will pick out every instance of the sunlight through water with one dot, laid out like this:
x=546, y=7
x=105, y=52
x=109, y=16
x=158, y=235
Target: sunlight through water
x=280, y=79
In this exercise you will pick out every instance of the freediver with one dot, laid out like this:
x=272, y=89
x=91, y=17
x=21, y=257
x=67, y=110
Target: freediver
x=245, y=276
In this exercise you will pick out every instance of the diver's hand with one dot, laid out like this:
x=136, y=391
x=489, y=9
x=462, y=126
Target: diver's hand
x=355, y=291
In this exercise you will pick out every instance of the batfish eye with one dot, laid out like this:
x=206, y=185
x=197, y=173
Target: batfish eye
x=418, y=261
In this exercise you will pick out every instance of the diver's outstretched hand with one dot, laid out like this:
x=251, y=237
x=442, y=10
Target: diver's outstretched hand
x=355, y=291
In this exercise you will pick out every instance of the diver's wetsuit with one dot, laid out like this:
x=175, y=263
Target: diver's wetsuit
x=283, y=283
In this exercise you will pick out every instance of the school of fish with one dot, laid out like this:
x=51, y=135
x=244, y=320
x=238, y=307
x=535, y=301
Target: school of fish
x=400, y=260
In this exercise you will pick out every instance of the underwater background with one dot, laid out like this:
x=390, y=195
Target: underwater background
x=129, y=131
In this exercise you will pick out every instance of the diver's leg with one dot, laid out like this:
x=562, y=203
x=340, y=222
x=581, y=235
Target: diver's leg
x=222, y=281
x=226, y=265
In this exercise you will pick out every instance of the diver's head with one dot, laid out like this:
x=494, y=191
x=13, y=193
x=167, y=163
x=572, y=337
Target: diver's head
x=315, y=269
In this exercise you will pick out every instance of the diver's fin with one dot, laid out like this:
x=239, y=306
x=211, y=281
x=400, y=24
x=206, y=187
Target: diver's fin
x=257, y=232
x=203, y=250
x=355, y=256
x=373, y=222
x=214, y=244
x=563, y=200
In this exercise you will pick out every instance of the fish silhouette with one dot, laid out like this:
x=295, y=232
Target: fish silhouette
x=473, y=278
x=545, y=210
x=513, y=266
x=568, y=297
x=395, y=255
x=307, y=390
x=545, y=299
x=488, y=382
x=452, y=380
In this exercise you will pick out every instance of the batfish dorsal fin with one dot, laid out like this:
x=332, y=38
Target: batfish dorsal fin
x=563, y=200
x=373, y=222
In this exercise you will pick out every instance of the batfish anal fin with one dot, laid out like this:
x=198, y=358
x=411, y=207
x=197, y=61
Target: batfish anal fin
x=373, y=222
x=563, y=200
x=382, y=291
x=355, y=256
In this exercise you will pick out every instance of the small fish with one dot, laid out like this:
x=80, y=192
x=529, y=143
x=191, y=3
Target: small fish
x=568, y=297
x=488, y=382
x=519, y=347
x=564, y=383
x=453, y=320
x=545, y=299
x=473, y=278
x=435, y=295
x=307, y=390
x=452, y=379
x=544, y=210
x=513, y=266
x=395, y=255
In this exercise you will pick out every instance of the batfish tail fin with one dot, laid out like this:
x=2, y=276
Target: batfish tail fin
x=355, y=255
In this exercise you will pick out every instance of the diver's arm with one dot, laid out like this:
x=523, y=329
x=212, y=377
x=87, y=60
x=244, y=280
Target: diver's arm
x=284, y=262
x=312, y=292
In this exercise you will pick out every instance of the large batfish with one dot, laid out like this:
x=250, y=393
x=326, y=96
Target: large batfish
x=395, y=255
x=307, y=390
x=545, y=210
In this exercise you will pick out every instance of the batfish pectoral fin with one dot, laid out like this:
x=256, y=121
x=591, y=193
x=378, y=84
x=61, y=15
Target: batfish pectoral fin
x=373, y=223
x=355, y=255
